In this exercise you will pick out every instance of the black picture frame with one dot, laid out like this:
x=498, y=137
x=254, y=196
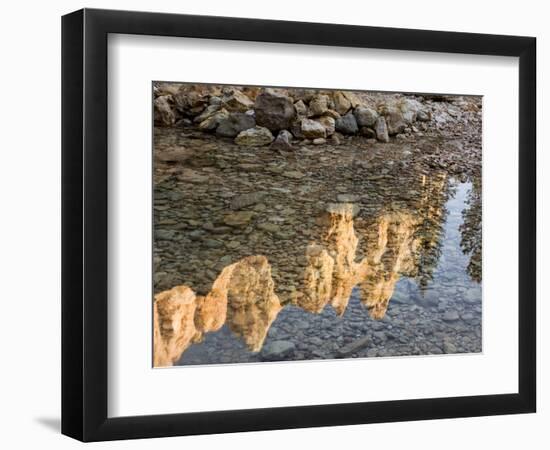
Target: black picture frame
x=84, y=224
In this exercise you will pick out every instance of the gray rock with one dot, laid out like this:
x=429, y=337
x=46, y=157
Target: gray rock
x=283, y=140
x=234, y=123
x=233, y=245
x=450, y=316
x=256, y=136
x=354, y=346
x=366, y=117
x=472, y=296
x=212, y=243
x=209, y=111
x=319, y=141
x=347, y=124
x=398, y=116
x=400, y=298
x=449, y=347
x=380, y=335
x=276, y=350
x=274, y=111
x=301, y=324
x=165, y=235
x=318, y=342
x=381, y=130
x=269, y=227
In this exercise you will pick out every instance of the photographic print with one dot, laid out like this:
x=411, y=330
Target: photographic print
x=295, y=224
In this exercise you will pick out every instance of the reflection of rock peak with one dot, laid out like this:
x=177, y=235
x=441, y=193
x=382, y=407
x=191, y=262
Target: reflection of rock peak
x=242, y=296
x=395, y=243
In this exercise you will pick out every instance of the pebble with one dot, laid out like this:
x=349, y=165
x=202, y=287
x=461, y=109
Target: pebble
x=451, y=316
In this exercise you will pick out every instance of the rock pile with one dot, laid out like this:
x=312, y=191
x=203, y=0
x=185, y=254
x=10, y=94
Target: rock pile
x=264, y=116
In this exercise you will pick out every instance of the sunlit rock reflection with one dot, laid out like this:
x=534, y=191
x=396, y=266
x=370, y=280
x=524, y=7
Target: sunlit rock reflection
x=174, y=324
x=242, y=297
x=392, y=247
x=252, y=303
x=371, y=252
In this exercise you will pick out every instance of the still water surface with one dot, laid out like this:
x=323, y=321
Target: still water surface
x=357, y=250
x=415, y=291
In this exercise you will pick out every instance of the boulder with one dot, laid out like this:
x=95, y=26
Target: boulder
x=366, y=117
x=301, y=108
x=353, y=98
x=318, y=105
x=296, y=129
x=164, y=113
x=274, y=111
x=409, y=108
x=283, y=140
x=214, y=120
x=341, y=102
x=312, y=129
x=191, y=100
x=329, y=124
x=394, y=119
x=208, y=111
x=347, y=124
x=381, y=130
x=234, y=123
x=237, y=101
x=303, y=94
x=399, y=114
x=256, y=136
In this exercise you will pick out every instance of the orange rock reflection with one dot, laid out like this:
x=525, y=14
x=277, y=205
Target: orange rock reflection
x=395, y=243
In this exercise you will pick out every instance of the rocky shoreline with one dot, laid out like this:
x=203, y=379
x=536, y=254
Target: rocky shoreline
x=280, y=117
x=279, y=208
